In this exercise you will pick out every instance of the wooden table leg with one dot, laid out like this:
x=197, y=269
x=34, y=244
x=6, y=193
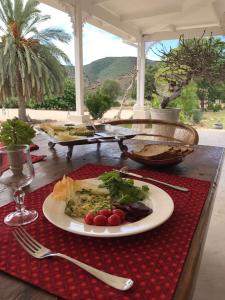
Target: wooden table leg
x=98, y=145
x=70, y=152
x=123, y=147
x=51, y=145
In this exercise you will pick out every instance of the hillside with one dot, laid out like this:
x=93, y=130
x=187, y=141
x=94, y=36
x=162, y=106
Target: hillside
x=115, y=68
x=109, y=68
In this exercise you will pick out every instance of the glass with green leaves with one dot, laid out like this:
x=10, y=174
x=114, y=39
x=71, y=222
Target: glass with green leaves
x=16, y=171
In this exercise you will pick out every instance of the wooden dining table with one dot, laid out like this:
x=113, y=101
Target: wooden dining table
x=204, y=163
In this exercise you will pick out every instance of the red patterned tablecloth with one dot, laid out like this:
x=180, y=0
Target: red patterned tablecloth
x=154, y=259
x=35, y=158
x=5, y=164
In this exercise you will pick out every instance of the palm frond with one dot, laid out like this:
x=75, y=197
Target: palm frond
x=9, y=6
x=30, y=26
x=58, y=53
x=18, y=10
x=53, y=34
x=3, y=29
x=6, y=11
x=3, y=15
x=30, y=61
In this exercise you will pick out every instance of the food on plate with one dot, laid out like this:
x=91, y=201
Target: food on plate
x=122, y=190
x=66, y=133
x=153, y=150
x=105, y=203
x=84, y=201
x=52, y=126
x=64, y=136
x=160, y=151
x=104, y=217
x=64, y=189
x=135, y=211
x=81, y=131
x=81, y=196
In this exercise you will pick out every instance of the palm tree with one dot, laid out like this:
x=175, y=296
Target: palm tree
x=30, y=62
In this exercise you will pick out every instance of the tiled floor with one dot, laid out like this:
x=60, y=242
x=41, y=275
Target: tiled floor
x=211, y=280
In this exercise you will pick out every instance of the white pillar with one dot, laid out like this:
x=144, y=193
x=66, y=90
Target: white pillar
x=77, y=21
x=141, y=73
x=78, y=40
x=140, y=110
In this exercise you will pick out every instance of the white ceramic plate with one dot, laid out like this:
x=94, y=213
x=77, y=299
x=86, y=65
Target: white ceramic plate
x=160, y=202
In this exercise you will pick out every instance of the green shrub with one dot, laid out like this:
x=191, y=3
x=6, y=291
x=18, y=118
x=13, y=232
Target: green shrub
x=111, y=89
x=196, y=115
x=210, y=106
x=183, y=117
x=214, y=107
x=217, y=107
x=10, y=103
x=97, y=104
x=188, y=101
x=64, y=102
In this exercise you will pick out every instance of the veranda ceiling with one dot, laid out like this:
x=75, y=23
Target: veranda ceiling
x=151, y=19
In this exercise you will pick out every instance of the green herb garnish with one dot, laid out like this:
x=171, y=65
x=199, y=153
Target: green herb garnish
x=122, y=190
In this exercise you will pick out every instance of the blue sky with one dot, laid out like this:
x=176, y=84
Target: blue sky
x=96, y=42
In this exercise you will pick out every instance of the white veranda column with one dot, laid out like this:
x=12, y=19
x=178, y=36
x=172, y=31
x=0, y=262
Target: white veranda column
x=77, y=21
x=141, y=73
x=140, y=110
x=78, y=40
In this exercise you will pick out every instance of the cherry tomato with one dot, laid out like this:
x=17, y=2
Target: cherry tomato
x=114, y=220
x=105, y=212
x=88, y=219
x=120, y=213
x=100, y=220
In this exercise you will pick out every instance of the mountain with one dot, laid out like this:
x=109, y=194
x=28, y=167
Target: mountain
x=109, y=68
x=116, y=68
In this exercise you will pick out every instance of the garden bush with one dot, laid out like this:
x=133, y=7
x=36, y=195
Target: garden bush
x=64, y=102
x=217, y=107
x=111, y=89
x=188, y=102
x=10, y=103
x=214, y=107
x=197, y=115
x=97, y=104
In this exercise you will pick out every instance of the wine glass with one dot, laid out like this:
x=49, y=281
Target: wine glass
x=16, y=171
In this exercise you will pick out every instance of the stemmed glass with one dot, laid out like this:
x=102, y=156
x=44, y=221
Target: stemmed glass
x=16, y=171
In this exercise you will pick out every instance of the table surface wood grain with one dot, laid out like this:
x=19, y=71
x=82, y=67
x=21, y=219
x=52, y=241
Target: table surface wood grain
x=204, y=163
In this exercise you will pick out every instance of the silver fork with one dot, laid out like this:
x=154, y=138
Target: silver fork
x=37, y=250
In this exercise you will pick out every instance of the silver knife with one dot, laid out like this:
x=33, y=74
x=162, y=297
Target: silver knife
x=175, y=187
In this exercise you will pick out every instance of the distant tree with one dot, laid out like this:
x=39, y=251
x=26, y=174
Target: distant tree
x=30, y=61
x=150, y=88
x=210, y=92
x=188, y=101
x=203, y=92
x=111, y=89
x=198, y=58
x=216, y=92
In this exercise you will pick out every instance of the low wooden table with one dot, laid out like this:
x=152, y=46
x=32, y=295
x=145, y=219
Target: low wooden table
x=103, y=134
x=204, y=163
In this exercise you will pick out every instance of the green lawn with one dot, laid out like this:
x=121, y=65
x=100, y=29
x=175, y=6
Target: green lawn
x=209, y=118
